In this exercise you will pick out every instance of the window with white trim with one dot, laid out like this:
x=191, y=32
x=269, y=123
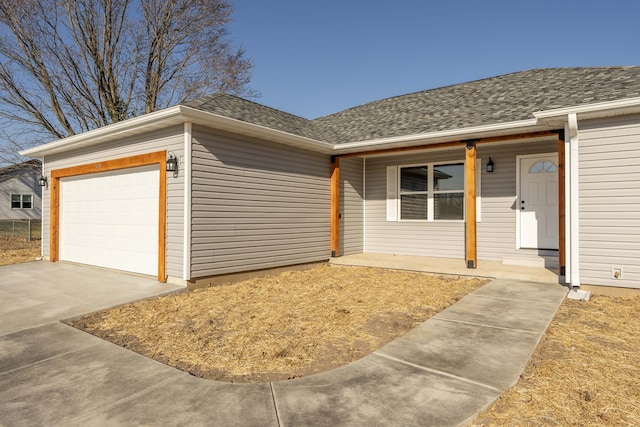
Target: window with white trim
x=21, y=201
x=428, y=192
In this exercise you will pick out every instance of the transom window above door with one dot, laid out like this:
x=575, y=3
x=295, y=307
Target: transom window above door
x=543, y=167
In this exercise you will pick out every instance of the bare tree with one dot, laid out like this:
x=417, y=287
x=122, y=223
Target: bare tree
x=68, y=66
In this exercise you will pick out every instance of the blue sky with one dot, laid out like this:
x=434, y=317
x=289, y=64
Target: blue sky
x=314, y=58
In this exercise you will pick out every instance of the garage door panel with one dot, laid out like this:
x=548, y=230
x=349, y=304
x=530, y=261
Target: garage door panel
x=111, y=219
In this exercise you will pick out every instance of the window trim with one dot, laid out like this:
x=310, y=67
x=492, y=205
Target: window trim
x=22, y=197
x=394, y=193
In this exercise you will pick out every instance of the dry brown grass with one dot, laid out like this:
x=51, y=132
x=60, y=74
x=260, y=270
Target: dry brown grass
x=585, y=372
x=15, y=251
x=279, y=327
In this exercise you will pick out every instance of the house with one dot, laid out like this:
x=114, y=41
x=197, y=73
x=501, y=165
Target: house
x=20, y=194
x=535, y=166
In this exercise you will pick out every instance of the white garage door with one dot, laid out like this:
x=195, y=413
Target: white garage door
x=110, y=219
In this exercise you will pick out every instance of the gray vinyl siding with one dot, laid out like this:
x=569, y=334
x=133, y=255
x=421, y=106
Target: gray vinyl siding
x=609, y=202
x=437, y=239
x=256, y=205
x=496, y=231
x=351, y=206
x=170, y=139
x=20, y=182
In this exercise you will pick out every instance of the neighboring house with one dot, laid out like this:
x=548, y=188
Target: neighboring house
x=20, y=194
x=258, y=188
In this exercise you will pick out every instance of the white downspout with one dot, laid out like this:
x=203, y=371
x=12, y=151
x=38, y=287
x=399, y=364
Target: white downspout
x=572, y=191
x=364, y=204
x=186, y=245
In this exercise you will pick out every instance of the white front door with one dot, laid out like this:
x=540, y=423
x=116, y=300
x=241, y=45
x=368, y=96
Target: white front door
x=538, y=202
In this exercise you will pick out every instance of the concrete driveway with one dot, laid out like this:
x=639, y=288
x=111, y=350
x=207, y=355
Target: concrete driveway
x=36, y=293
x=442, y=373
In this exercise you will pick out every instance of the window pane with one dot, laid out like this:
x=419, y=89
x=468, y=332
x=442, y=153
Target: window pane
x=448, y=177
x=543, y=167
x=448, y=206
x=15, y=201
x=413, y=179
x=413, y=206
x=26, y=201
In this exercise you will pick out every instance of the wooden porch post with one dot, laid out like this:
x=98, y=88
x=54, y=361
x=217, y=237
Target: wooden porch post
x=561, y=204
x=335, y=206
x=470, y=204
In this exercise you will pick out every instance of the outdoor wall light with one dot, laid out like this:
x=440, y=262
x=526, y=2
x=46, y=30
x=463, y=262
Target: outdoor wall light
x=490, y=166
x=42, y=181
x=172, y=164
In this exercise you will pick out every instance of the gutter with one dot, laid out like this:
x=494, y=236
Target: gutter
x=589, y=111
x=177, y=115
x=500, y=129
x=135, y=125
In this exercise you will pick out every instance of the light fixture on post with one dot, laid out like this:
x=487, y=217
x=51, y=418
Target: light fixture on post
x=172, y=164
x=490, y=166
x=42, y=181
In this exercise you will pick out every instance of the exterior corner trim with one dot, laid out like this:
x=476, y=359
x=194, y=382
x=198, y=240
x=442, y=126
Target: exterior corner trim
x=186, y=250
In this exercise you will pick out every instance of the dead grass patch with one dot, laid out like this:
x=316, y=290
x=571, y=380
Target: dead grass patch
x=15, y=251
x=585, y=372
x=279, y=327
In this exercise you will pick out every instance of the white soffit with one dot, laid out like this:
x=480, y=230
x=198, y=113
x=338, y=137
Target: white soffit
x=169, y=117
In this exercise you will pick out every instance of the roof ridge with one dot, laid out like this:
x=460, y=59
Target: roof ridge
x=490, y=100
x=246, y=101
x=449, y=86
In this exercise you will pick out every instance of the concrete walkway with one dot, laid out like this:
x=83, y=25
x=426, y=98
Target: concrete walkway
x=442, y=373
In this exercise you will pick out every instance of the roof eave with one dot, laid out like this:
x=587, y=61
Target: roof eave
x=557, y=117
x=500, y=129
x=137, y=125
x=170, y=117
x=228, y=124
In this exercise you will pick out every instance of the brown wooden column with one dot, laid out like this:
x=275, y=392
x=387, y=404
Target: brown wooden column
x=335, y=206
x=470, y=204
x=54, y=217
x=561, y=205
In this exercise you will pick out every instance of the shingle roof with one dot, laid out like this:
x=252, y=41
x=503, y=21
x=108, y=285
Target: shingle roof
x=258, y=114
x=494, y=100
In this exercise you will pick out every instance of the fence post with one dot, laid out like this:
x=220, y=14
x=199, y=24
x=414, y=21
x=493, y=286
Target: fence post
x=29, y=229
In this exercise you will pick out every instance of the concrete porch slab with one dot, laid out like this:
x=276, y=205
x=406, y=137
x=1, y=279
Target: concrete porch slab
x=491, y=269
